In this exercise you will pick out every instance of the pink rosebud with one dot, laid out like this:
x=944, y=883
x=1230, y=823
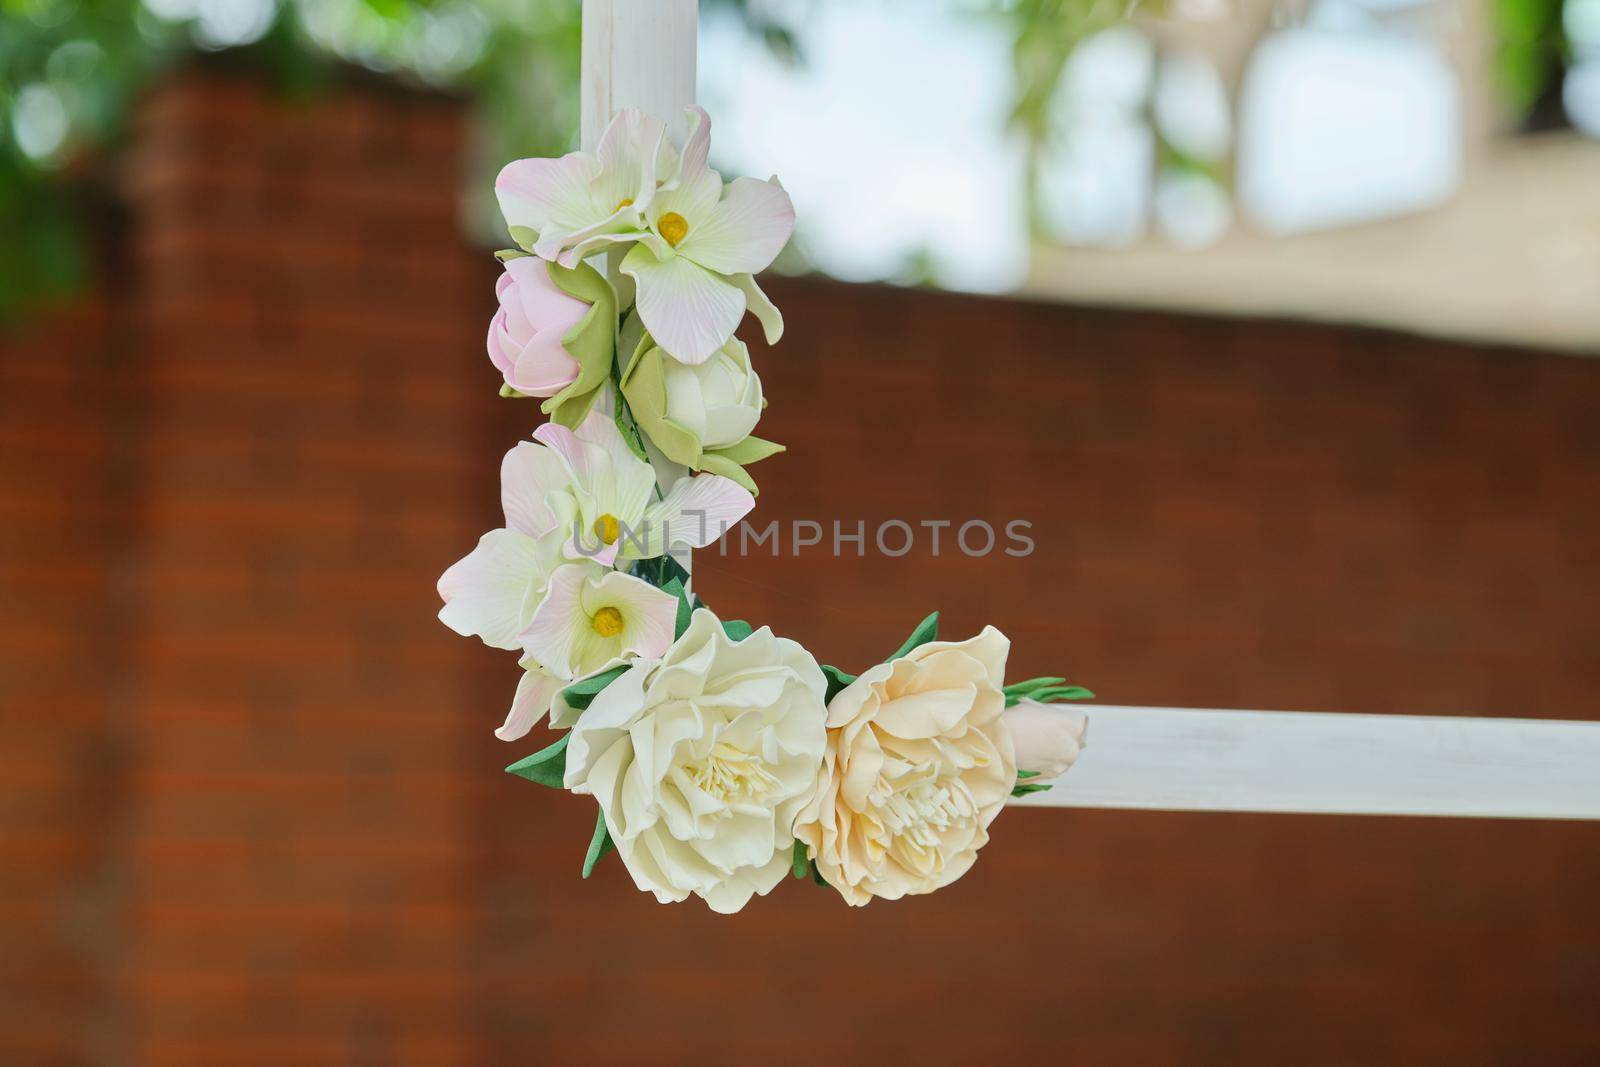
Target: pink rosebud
x=1047, y=737
x=525, y=334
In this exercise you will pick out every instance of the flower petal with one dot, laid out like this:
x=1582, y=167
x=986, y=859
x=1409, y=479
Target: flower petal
x=556, y=628
x=486, y=591
x=551, y=196
x=528, y=474
x=628, y=153
x=746, y=230
x=688, y=310
x=696, y=512
x=694, y=191
x=765, y=311
x=535, y=691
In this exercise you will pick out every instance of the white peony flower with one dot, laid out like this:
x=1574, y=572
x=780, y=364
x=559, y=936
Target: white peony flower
x=701, y=760
x=918, y=763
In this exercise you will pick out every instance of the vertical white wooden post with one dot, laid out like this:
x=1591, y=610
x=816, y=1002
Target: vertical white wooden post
x=637, y=53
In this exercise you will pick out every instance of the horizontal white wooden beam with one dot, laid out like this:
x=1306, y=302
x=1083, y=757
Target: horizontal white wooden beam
x=1190, y=759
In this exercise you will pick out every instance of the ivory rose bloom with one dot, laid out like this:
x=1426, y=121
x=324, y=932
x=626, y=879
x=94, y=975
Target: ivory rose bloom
x=1048, y=738
x=701, y=760
x=918, y=763
x=525, y=334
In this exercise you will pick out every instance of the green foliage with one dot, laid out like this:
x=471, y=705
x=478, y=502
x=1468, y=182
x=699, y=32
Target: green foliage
x=1528, y=53
x=1045, y=691
x=599, y=845
x=837, y=680
x=579, y=695
x=926, y=631
x=548, y=766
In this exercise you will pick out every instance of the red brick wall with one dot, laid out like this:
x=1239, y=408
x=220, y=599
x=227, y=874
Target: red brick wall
x=297, y=841
x=252, y=811
x=60, y=507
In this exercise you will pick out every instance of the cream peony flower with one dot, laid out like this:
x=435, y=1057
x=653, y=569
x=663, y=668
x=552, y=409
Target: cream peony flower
x=700, y=762
x=1048, y=738
x=918, y=763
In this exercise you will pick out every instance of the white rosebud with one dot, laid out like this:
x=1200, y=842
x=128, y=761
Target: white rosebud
x=1047, y=737
x=719, y=401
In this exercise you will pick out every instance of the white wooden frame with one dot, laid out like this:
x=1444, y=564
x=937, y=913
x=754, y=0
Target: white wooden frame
x=641, y=53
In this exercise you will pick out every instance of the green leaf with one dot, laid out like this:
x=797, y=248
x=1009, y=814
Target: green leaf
x=751, y=450
x=1027, y=774
x=837, y=680
x=1024, y=688
x=816, y=876
x=800, y=863
x=506, y=255
x=525, y=236
x=737, y=629
x=579, y=695
x=660, y=570
x=599, y=845
x=926, y=631
x=592, y=341
x=548, y=766
x=1031, y=787
x=628, y=429
x=1044, y=690
x=507, y=391
x=685, y=609
x=716, y=463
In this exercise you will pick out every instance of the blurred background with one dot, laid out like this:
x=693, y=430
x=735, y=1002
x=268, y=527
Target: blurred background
x=1275, y=320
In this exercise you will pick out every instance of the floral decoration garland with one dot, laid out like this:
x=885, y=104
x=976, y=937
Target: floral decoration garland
x=721, y=756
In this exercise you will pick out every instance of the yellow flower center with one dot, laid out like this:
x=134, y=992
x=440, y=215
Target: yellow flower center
x=626, y=201
x=674, y=227
x=607, y=528
x=730, y=773
x=607, y=622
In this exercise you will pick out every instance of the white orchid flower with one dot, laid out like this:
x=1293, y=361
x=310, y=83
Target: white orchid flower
x=492, y=592
x=602, y=496
x=590, y=621
x=694, y=267
x=575, y=205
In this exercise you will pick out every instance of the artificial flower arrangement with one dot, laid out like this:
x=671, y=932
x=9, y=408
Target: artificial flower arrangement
x=721, y=756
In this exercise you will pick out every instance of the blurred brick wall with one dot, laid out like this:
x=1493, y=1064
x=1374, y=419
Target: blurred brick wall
x=60, y=510
x=263, y=820
x=295, y=841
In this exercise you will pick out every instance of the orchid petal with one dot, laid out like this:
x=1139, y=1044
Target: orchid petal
x=528, y=474
x=688, y=310
x=535, y=692
x=485, y=592
x=746, y=230
x=551, y=196
x=696, y=512
x=696, y=188
x=765, y=311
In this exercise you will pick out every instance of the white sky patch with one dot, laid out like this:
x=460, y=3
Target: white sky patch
x=891, y=138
